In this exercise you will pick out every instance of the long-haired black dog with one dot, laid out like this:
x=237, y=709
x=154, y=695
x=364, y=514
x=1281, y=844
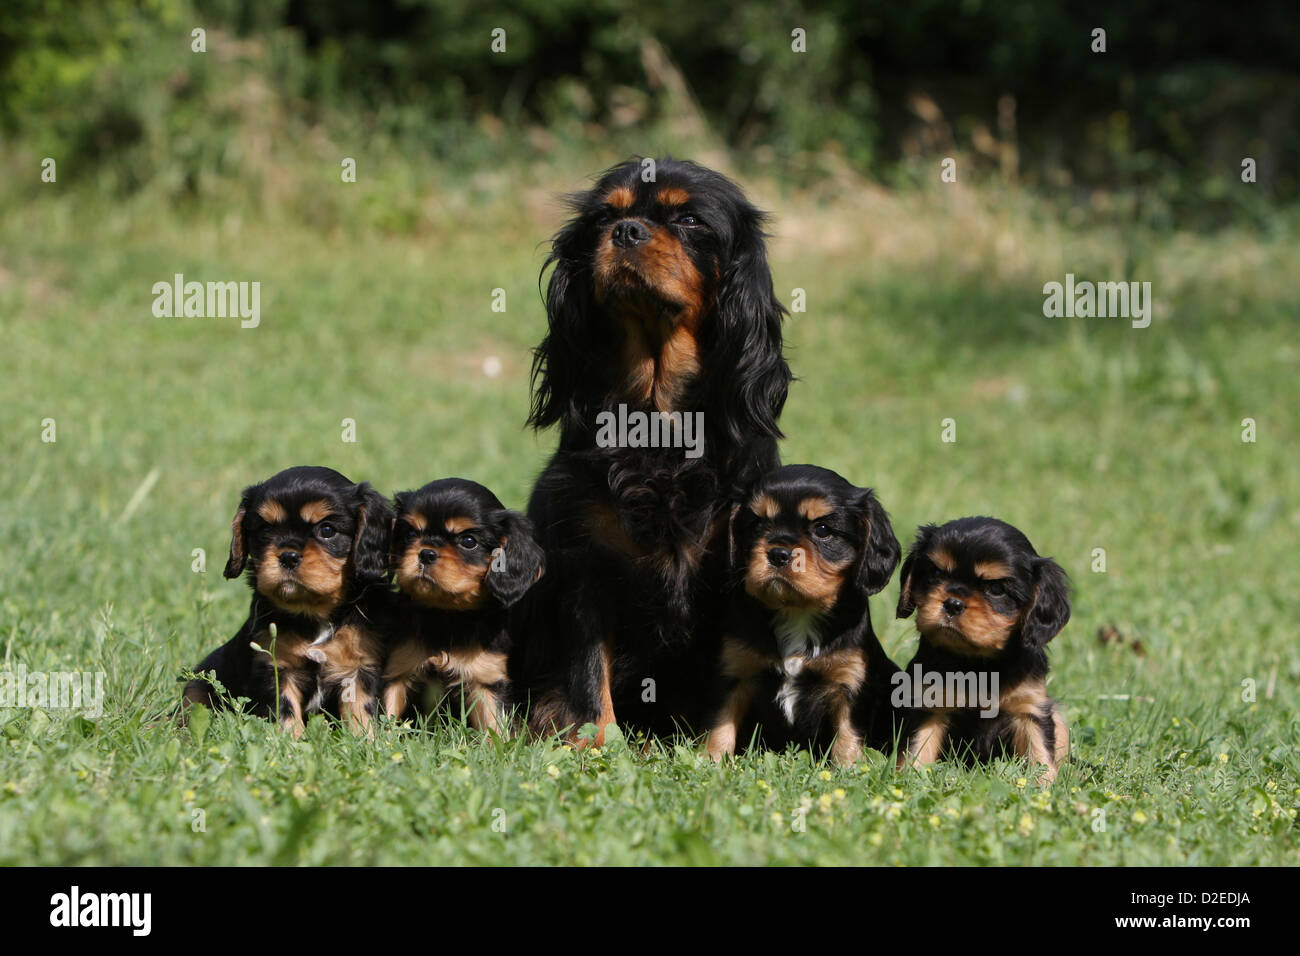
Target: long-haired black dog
x=661, y=313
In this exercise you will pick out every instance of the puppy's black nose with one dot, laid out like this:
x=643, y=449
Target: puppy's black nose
x=778, y=557
x=289, y=559
x=952, y=607
x=629, y=233
x=428, y=555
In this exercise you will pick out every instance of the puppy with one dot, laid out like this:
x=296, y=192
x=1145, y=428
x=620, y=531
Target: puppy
x=461, y=561
x=659, y=306
x=986, y=605
x=800, y=661
x=316, y=545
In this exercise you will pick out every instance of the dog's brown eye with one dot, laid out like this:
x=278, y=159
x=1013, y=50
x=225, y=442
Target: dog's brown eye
x=467, y=541
x=996, y=588
x=686, y=221
x=326, y=531
x=821, y=530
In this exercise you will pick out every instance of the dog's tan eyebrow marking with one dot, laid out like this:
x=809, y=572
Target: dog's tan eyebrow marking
x=621, y=197
x=415, y=520
x=271, y=511
x=765, y=506
x=942, y=560
x=672, y=196
x=314, y=511
x=992, y=570
x=458, y=524
x=815, y=507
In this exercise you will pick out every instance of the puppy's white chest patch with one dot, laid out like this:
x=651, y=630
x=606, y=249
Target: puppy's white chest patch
x=798, y=637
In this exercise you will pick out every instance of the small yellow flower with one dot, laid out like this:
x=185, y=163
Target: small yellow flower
x=839, y=793
x=299, y=792
x=1139, y=816
x=553, y=770
x=188, y=795
x=397, y=758
x=764, y=785
x=594, y=751
x=1021, y=782
x=1223, y=758
x=934, y=820
x=825, y=775
x=876, y=839
x=1026, y=825
x=777, y=818
x=824, y=801
x=897, y=793
x=1177, y=722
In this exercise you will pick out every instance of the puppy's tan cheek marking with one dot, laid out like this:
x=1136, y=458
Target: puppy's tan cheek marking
x=321, y=572
x=314, y=511
x=984, y=627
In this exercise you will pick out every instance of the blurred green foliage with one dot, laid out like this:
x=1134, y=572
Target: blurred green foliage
x=1164, y=116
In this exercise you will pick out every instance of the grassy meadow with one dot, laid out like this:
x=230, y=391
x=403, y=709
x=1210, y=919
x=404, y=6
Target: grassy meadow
x=376, y=306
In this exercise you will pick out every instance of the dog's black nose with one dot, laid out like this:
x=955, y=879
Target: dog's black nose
x=289, y=559
x=778, y=557
x=629, y=233
x=952, y=607
x=428, y=555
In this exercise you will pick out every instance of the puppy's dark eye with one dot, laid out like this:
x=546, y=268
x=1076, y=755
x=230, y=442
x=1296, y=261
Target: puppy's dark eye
x=326, y=530
x=821, y=530
x=410, y=533
x=686, y=220
x=996, y=588
x=467, y=541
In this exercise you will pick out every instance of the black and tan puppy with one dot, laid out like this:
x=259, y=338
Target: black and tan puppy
x=316, y=545
x=986, y=605
x=800, y=662
x=461, y=561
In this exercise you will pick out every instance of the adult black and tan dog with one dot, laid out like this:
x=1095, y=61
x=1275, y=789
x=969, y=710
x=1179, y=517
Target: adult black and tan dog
x=662, y=317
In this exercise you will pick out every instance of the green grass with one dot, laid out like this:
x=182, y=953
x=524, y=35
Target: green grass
x=1085, y=433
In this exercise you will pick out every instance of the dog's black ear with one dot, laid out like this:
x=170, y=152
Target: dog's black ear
x=880, y=549
x=749, y=374
x=518, y=563
x=374, y=531
x=1050, y=609
x=731, y=536
x=564, y=372
x=924, y=535
x=395, y=543
x=235, y=563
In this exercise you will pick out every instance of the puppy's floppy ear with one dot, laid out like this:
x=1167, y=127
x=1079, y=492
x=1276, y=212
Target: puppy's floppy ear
x=1050, y=609
x=880, y=550
x=924, y=535
x=520, y=561
x=749, y=374
x=373, y=534
x=235, y=563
